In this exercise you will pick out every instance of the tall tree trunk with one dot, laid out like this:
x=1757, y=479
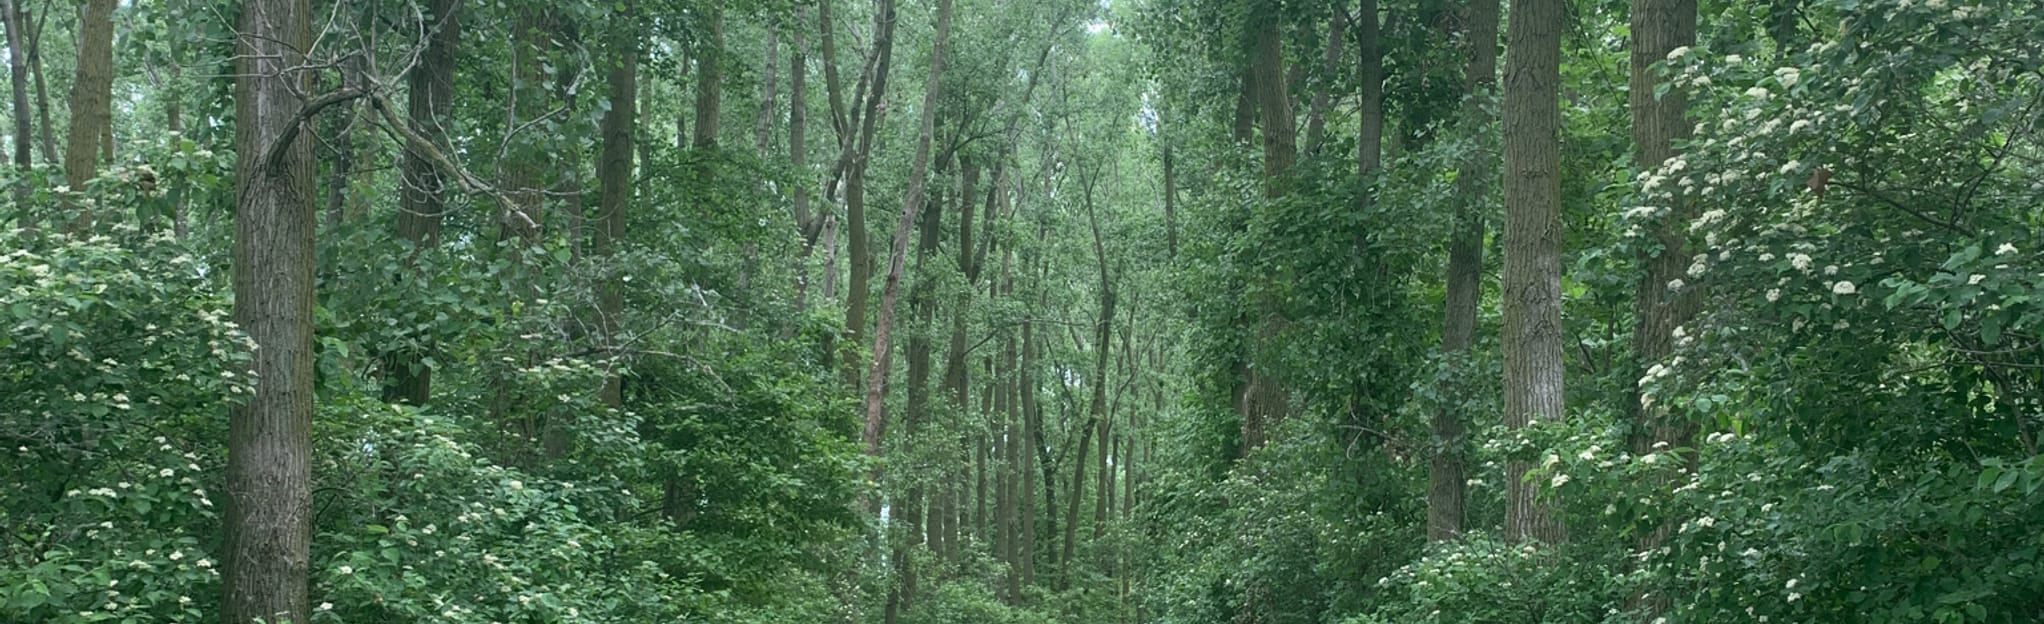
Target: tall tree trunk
x=1370, y=72
x=1446, y=493
x=1032, y=430
x=91, y=100
x=710, y=82
x=614, y=185
x=47, y=135
x=268, y=521
x=876, y=386
x=798, y=158
x=1658, y=123
x=421, y=207
x=1337, y=34
x=1096, y=412
x=1533, y=236
x=1264, y=400
x=861, y=257
x=525, y=170
x=1170, y=199
x=769, y=81
x=17, y=72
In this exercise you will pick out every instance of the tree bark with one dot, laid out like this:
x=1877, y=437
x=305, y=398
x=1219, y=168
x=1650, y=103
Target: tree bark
x=1032, y=431
x=47, y=135
x=1370, y=72
x=769, y=81
x=710, y=82
x=1316, y=115
x=268, y=521
x=614, y=185
x=17, y=71
x=859, y=288
x=876, y=386
x=1533, y=237
x=421, y=207
x=91, y=100
x=1658, y=123
x=1446, y=486
x=1264, y=400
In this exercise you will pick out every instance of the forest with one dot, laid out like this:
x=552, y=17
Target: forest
x=1022, y=311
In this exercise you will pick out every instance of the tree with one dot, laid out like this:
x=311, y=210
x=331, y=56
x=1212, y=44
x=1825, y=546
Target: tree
x=423, y=191
x=1446, y=494
x=614, y=179
x=17, y=71
x=1533, y=236
x=267, y=551
x=91, y=99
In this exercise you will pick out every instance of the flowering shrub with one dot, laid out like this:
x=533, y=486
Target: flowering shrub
x=115, y=360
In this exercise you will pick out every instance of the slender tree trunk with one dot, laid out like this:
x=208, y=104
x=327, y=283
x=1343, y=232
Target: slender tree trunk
x=268, y=521
x=17, y=72
x=861, y=257
x=1032, y=431
x=1446, y=494
x=798, y=158
x=91, y=100
x=876, y=386
x=1533, y=236
x=421, y=205
x=47, y=136
x=1170, y=200
x=1658, y=123
x=769, y=80
x=614, y=181
x=1316, y=115
x=1370, y=72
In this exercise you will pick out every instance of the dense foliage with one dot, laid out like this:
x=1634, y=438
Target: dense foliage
x=1018, y=312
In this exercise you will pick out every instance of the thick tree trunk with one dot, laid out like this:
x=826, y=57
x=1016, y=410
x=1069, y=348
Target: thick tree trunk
x=421, y=205
x=614, y=182
x=1658, y=123
x=268, y=521
x=1533, y=237
x=1264, y=400
x=91, y=100
x=1446, y=493
x=710, y=82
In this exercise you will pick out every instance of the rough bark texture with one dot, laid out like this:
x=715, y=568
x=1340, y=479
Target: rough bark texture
x=1264, y=400
x=1533, y=237
x=1659, y=26
x=91, y=99
x=798, y=158
x=421, y=206
x=614, y=182
x=762, y=140
x=1446, y=487
x=268, y=521
x=710, y=82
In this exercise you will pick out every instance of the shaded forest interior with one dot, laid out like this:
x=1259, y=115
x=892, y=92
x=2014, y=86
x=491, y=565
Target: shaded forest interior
x=1022, y=311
